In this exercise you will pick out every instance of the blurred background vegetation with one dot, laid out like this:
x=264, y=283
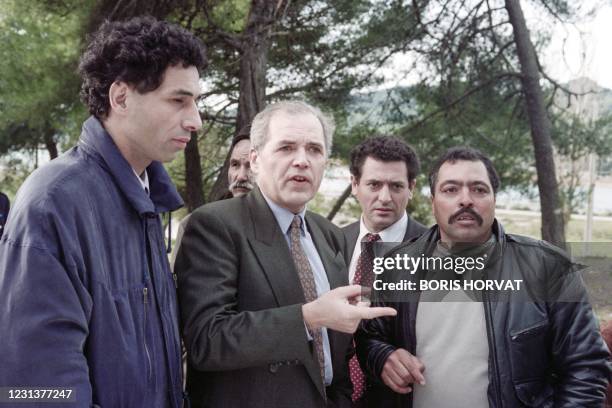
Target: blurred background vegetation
x=434, y=73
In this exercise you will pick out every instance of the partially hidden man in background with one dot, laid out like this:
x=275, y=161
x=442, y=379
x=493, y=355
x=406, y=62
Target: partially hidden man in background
x=506, y=349
x=87, y=297
x=239, y=178
x=264, y=306
x=383, y=178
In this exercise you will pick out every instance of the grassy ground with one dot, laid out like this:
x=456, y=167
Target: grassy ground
x=598, y=278
x=528, y=223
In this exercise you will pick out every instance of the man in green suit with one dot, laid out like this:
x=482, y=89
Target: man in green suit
x=266, y=312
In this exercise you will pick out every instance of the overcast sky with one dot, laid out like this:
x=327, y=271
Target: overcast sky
x=588, y=54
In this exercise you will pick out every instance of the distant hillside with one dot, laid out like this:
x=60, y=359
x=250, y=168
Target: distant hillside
x=377, y=107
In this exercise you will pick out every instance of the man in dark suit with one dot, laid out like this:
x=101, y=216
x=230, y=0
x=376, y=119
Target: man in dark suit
x=383, y=177
x=265, y=310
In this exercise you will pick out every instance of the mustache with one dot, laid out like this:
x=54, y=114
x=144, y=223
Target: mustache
x=242, y=184
x=462, y=211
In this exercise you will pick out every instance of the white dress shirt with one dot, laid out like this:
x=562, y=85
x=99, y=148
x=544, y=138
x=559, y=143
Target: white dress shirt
x=393, y=233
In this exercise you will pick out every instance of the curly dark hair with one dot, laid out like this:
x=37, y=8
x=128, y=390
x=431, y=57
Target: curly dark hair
x=136, y=51
x=386, y=149
x=468, y=154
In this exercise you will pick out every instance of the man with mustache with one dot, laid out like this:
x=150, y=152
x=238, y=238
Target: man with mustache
x=383, y=177
x=266, y=312
x=239, y=177
x=87, y=297
x=537, y=347
x=239, y=173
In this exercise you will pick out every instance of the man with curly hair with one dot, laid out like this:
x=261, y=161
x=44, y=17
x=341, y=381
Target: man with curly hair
x=87, y=296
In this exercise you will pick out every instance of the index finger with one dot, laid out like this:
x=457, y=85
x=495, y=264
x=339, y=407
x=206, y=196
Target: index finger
x=374, y=312
x=347, y=291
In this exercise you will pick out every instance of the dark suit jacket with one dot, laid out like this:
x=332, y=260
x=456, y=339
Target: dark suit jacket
x=241, y=300
x=378, y=393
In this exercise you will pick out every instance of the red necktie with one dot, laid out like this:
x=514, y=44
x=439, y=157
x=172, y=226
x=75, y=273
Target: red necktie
x=363, y=277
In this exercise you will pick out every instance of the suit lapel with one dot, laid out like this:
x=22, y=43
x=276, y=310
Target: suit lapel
x=332, y=262
x=413, y=229
x=272, y=252
x=352, y=233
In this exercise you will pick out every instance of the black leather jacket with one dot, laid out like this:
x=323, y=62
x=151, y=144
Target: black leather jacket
x=541, y=353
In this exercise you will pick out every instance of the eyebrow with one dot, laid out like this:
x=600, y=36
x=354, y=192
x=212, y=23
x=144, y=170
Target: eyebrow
x=367, y=180
x=469, y=183
x=185, y=92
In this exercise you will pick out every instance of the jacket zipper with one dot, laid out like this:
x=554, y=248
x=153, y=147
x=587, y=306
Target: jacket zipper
x=491, y=338
x=145, y=291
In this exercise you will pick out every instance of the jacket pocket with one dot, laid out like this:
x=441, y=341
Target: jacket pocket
x=535, y=393
x=530, y=364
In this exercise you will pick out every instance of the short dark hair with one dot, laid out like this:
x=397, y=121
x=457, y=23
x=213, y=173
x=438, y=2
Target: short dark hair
x=243, y=134
x=138, y=52
x=468, y=154
x=386, y=149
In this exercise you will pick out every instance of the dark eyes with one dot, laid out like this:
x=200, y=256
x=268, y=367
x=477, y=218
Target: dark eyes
x=311, y=149
x=477, y=189
x=375, y=185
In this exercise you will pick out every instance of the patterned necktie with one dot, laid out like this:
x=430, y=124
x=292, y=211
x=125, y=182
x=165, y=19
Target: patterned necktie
x=308, y=284
x=363, y=277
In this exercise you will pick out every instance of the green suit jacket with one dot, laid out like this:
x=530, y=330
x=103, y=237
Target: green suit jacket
x=241, y=298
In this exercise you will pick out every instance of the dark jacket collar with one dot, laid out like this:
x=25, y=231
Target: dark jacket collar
x=426, y=243
x=96, y=141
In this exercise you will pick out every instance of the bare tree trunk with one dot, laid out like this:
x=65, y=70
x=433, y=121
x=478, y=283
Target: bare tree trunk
x=50, y=144
x=194, y=195
x=338, y=205
x=253, y=65
x=550, y=204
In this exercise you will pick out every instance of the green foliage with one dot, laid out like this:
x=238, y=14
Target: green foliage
x=326, y=52
x=38, y=83
x=13, y=171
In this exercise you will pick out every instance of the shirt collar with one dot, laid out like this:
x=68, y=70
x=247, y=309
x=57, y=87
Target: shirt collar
x=144, y=180
x=283, y=216
x=393, y=233
x=97, y=143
